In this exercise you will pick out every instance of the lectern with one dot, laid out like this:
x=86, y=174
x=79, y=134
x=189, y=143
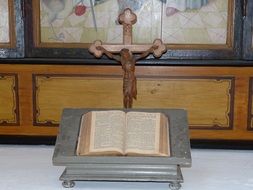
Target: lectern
x=122, y=168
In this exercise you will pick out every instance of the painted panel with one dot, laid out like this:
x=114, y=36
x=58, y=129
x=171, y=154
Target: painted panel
x=4, y=22
x=209, y=101
x=9, y=112
x=175, y=22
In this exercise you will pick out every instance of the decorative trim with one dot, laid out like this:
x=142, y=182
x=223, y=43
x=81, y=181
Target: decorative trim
x=16, y=121
x=230, y=111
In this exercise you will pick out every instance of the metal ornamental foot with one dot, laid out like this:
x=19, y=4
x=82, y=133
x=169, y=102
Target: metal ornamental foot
x=68, y=183
x=175, y=186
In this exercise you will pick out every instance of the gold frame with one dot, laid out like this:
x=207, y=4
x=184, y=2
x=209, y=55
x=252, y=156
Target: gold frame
x=228, y=46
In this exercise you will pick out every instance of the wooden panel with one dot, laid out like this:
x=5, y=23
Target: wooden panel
x=9, y=112
x=209, y=100
x=206, y=78
x=55, y=93
x=250, y=111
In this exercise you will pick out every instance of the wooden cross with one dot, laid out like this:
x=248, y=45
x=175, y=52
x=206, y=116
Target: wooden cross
x=123, y=53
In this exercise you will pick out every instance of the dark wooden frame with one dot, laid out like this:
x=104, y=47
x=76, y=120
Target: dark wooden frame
x=229, y=51
x=15, y=48
x=248, y=30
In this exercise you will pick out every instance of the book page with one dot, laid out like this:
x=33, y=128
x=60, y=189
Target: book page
x=107, y=131
x=142, y=132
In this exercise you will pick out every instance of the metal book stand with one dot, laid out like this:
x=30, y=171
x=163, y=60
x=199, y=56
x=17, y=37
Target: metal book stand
x=122, y=168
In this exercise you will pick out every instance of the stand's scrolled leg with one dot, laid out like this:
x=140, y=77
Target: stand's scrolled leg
x=68, y=183
x=175, y=186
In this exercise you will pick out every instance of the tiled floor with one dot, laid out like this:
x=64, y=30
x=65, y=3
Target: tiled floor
x=30, y=167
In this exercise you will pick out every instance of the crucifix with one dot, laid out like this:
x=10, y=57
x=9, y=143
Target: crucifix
x=124, y=53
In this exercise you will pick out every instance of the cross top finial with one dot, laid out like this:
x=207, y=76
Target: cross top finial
x=127, y=17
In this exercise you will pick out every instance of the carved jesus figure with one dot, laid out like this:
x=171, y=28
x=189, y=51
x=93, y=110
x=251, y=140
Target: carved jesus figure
x=128, y=61
x=124, y=54
x=129, y=80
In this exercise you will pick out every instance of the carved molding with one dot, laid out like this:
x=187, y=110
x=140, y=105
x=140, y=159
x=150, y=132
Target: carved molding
x=9, y=106
x=164, y=92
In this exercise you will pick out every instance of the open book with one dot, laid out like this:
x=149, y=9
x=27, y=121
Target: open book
x=115, y=132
